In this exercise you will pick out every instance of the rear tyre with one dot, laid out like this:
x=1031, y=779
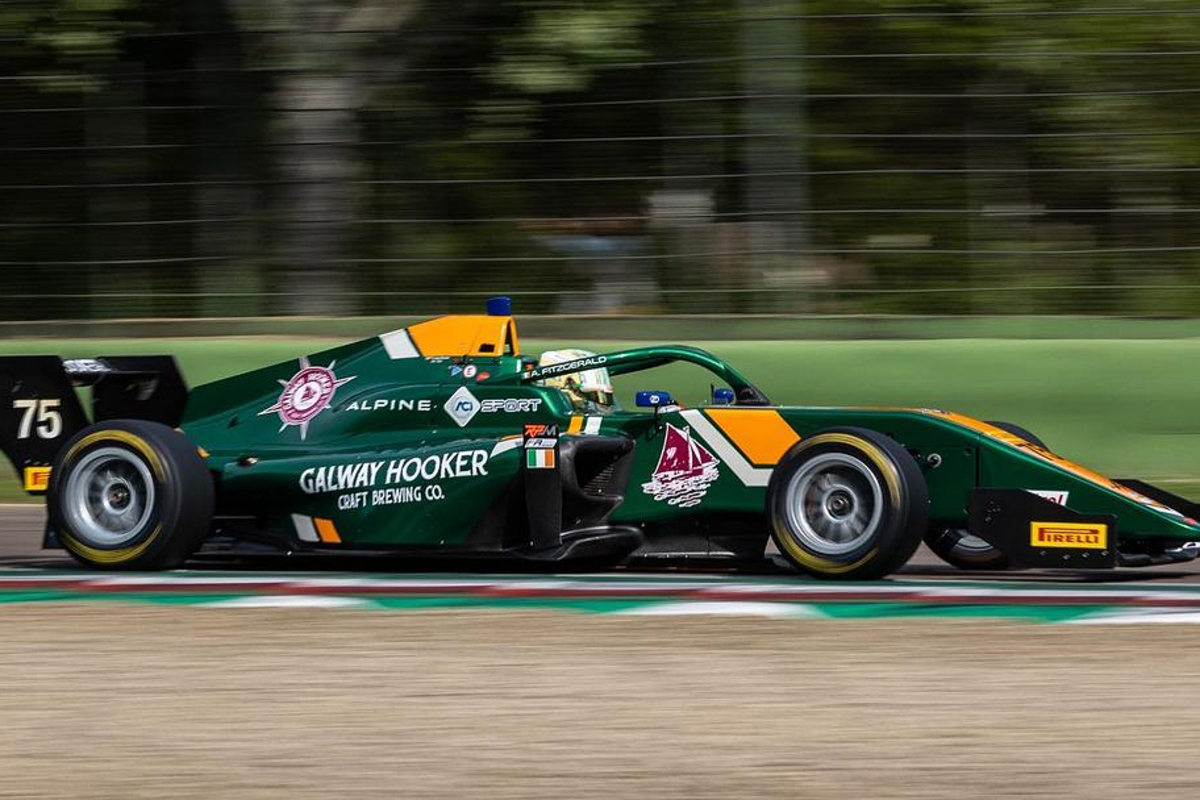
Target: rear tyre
x=130, y=495
x=847, y=504
x=960, y=548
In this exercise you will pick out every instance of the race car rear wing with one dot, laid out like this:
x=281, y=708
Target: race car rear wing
x=40, y=409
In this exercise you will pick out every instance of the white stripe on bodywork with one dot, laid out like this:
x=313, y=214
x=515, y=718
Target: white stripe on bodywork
x=399, y=345
x=747, y=473
x=504, y=445
x=305, y=529
x=592, y=425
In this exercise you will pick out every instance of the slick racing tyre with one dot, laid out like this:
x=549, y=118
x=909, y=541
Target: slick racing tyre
x=130, y=494
x=1017, y=430
x=847, y=503
x=958, y=547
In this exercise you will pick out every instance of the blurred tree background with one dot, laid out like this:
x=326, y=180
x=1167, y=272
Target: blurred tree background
x=261, y=157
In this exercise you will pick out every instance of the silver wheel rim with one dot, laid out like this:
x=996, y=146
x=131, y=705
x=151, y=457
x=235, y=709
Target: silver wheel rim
x=109, y=497
x=834, y=504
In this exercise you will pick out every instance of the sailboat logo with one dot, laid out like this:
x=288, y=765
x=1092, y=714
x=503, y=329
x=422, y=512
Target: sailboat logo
x=685, y=470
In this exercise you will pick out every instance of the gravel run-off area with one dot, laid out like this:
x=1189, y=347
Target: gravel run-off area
x=134, y=701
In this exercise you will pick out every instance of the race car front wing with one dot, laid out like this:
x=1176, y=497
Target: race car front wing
x=1035, y=532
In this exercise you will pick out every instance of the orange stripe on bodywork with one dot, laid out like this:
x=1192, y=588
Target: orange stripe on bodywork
x=466, y=335
x=1070, y=466
x=976, y=425
x=576, y=424
x=760, y=433
x=327, y=531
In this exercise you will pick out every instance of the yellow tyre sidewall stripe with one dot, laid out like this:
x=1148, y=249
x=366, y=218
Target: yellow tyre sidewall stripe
x=891, y=477
x=140, y=446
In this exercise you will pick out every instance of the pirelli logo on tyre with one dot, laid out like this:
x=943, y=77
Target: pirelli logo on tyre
x=1074, y=535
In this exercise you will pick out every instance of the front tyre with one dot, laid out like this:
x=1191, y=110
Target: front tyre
x=130, y=494
x=847, y=503
x=960, y=548
x=1019, y=432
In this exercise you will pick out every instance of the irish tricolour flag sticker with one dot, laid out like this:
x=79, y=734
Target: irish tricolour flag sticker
x=539, y=459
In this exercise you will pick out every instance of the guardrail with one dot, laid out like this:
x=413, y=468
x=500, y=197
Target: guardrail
x=698, y=327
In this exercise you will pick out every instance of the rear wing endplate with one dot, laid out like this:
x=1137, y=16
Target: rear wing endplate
x=40, y=409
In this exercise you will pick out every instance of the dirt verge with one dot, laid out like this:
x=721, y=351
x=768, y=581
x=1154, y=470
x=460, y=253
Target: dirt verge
x=132, y=702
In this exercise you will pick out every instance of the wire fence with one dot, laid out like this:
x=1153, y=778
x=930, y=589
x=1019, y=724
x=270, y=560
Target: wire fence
x=717, y=157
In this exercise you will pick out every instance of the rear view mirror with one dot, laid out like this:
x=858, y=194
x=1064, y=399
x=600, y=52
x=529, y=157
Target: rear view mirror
x=652, y=399
x=722, y=397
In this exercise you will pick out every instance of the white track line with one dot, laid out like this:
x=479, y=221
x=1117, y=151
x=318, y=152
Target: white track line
x=289, y=601
x=725, y=609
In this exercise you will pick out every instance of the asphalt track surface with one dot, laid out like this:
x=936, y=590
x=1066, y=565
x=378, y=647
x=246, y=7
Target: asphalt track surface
x=21, y=528
x=518, y=701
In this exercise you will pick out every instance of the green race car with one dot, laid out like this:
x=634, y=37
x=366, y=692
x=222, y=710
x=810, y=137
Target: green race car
x=443, y=439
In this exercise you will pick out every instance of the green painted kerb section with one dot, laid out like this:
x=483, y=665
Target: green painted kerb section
x=619, y=594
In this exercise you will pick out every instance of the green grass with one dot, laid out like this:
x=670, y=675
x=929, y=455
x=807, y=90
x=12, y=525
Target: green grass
x=657, y=327
x=1125, y=407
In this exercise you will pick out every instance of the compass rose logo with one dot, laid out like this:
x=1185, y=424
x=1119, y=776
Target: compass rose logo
x=307, y=394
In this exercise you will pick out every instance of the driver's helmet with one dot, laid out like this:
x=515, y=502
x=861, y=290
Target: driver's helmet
x=590, y=391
